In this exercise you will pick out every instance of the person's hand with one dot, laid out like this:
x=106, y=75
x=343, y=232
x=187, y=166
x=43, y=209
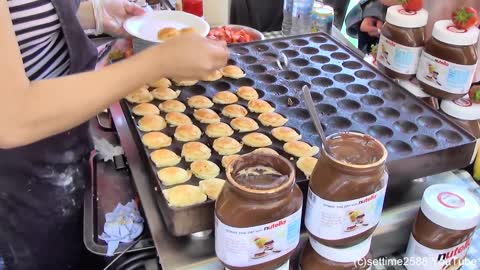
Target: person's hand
x=191, y=57
x=372, y=26
x=115, y=12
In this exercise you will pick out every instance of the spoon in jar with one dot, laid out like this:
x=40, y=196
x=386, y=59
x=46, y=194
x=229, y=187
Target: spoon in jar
x=307, y=97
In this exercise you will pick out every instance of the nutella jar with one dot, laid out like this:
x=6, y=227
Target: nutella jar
x=258, y=214
x=401, y=42
x=443, y=229
x=465, y=113
x=320, y=257
x=449, y=61
x=347, y=190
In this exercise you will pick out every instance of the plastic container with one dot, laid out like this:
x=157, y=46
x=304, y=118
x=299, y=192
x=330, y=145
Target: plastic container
x=297, y=17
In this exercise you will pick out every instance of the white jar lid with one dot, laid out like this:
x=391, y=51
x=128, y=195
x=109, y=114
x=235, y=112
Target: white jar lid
x=398, y=16
x=445, y=31
x=413, y=87
x=342, y=255
x=463, y=108
x=451, y=207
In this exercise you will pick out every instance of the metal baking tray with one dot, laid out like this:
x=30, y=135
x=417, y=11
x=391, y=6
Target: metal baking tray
x=349, y=94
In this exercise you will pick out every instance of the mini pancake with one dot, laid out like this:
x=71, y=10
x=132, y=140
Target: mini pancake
x=233, y=72
x=141, y=95
x=173, y=175
x=247, y=93
x=162, y=83
x=184, y=195
x=244, y=124
x=214, y=76
x=265, y=151
x=156, y=140
x=165, y=158
x=225, y=97
x=185, y=83
x=172, y=106
x=145, y=109
x=177, y=119
x=193, y=151
x=272, y=119
x=260, y=106
x=218, y=130
x=151, y=122
x=187, y=133
x=226, y=146
x=234, y=111
x=306, y=165
x=226, y=160
x=165, y=93
x=212, y=187
x=256, y=139
x=300, y=149
x=167, y=33
x=188, y=30
x=204, y=169
x=286, y=134
x=200, y=102
x=206, y=116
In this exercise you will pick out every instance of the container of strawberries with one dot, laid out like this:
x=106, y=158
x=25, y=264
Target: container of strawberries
x=235, y=34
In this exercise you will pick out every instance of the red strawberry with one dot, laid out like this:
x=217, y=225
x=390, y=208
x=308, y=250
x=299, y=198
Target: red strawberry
x=411, y=5
x=475, y=94
x=464, y=18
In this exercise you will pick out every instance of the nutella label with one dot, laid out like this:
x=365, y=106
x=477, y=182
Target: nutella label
x=286, y=266
x=243, y=247
x=397, y=57
x=434, y=259
x=444, y=75
x=338, y=220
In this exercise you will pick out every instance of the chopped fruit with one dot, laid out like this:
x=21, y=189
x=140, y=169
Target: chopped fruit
x=464, y=18
x=475, y=94
x=229, y=35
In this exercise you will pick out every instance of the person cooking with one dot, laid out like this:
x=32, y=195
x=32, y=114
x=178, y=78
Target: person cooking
x=47, y=95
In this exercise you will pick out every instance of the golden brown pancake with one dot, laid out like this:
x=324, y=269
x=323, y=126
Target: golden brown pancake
x=167, y=33
x=214, y=76
x=218, y=130
x=225, y=97
x=162, y=83
x=189, y=30
x=206, y=116
x=286, y=134
x=204, y=169
x=145, y=109
x=244, y=124
x=260, y=106
x=256, y=139
x=212, y=187
x=185, y=83
x=170, y=176
x=226, y=146
x=165, y=158
x=247, y=93
x=141, y=95
x=172, y=106
x=272, y=119
x=300, y=149
x=156, y=140
x=151, y=122
x=165, y=93
x=266, y=151
x=306, y=165
x=184, y=195
x=193, y=151
x=177, y=119
x=234, y=111
x=187, y=133
x=233, y=72
x=200, y=102
x=226, y=160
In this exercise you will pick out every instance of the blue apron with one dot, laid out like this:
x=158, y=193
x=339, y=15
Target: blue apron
x=42, y=184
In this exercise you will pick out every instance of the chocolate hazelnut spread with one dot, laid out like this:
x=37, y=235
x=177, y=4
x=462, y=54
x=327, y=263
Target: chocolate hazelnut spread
x=347, y=190
x=316, y=256
x=257, y=223
x=443, y=228
x=401, y=42
x=449, y=61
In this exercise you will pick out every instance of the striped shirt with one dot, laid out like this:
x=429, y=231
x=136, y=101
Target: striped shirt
x=40, y=38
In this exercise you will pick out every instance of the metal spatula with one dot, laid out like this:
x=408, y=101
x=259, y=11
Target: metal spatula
x=307, y=96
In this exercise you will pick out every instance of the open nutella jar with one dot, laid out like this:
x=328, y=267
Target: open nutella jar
x=258, y=214
x=449, y=61
x=443, y=229
x=316, y=256
x=347, y=190
x=401, y=42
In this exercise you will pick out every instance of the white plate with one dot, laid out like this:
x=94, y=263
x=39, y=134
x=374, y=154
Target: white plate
x=147, y=26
